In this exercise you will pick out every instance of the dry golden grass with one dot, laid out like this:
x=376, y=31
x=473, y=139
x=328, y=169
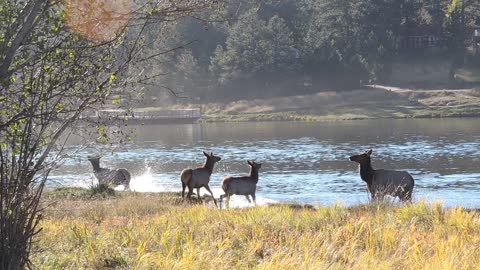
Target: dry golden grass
x=382, y=102
x=160, y=231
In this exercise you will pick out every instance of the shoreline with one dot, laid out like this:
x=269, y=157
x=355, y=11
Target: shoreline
x=84, y=194
x=381, y=102
x=341, y=114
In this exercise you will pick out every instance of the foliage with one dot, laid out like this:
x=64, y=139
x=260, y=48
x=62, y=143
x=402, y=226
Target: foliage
x=59, y=59
x=254, y=48
x=455, y=28
x=154, y=231
x=101, y=190
x=290, y=47
x=340, y=41
x=188, y=75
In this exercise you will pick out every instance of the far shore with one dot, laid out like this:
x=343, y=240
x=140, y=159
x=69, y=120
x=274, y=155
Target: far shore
x=379, y=102
x=341, y=114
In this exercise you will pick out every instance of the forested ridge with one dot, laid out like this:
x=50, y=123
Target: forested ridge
x=254, y=49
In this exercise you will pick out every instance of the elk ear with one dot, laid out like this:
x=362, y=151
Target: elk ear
x=205, y=154
x=211, y=154
x=249, y=163
x=369, y=152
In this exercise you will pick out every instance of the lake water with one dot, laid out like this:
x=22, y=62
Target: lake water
x=301, y=162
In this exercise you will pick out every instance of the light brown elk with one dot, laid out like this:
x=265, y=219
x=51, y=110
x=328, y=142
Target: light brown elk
x=384, y=182
x=199, y=177
x=110, y=176
x=242, y=185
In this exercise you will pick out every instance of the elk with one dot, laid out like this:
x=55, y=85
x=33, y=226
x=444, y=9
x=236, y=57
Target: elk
x=384, y=182
x=110, y=176
x=242, y=185
x=199, y=177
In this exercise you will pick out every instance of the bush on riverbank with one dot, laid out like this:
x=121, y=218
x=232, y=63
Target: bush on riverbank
x=161, y=231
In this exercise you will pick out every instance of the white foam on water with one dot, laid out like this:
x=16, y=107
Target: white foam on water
x=119, y=188
x=236, y=201
x=146, y=183
x=91, y=182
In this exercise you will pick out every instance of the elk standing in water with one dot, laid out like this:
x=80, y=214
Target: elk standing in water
x=243, y=185
x=384, y=182
x=199, y=177
x=109, y=176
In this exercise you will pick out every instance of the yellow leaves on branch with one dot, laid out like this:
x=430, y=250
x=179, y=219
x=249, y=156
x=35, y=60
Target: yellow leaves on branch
x=98, y=20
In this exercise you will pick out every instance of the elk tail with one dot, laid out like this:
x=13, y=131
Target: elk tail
x=225, y=184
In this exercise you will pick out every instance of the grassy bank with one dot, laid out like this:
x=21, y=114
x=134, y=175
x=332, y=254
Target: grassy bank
x=160, y=231
x=342, y=113
x=378, y=103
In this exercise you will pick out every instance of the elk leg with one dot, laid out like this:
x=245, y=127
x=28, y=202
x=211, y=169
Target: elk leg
x=228, y=201
x=183, y=189
x=190, y=191
x=254, y=199
x=379, y=196
x=248, y=199
x=198, y=194
x=221, y=200
x=375, y=197
x=406, y=197
x=409, y=196
x=211, y=193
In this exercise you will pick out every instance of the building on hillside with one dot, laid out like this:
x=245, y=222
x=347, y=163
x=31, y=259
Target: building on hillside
x=422, y=36
x=419, y=37
x=419, y=41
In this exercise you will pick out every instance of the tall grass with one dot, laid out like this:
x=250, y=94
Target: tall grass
x=160, y=231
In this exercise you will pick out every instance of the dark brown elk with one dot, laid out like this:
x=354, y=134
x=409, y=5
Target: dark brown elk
x=110, y=176
x=242, y=185
x=384, y=182
x=199, y=177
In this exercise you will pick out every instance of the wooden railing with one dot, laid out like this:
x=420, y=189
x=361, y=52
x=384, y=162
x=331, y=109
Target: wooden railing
x=139, y=115
x=168, y=114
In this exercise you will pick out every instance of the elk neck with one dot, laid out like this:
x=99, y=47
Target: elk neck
x=209, y=165
x=254, y=174
x=366, y=171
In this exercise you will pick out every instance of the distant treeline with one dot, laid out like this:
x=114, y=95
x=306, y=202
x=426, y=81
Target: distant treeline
x=279, y=47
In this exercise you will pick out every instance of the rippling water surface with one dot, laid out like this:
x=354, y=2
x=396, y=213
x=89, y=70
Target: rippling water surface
x=302, y=162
